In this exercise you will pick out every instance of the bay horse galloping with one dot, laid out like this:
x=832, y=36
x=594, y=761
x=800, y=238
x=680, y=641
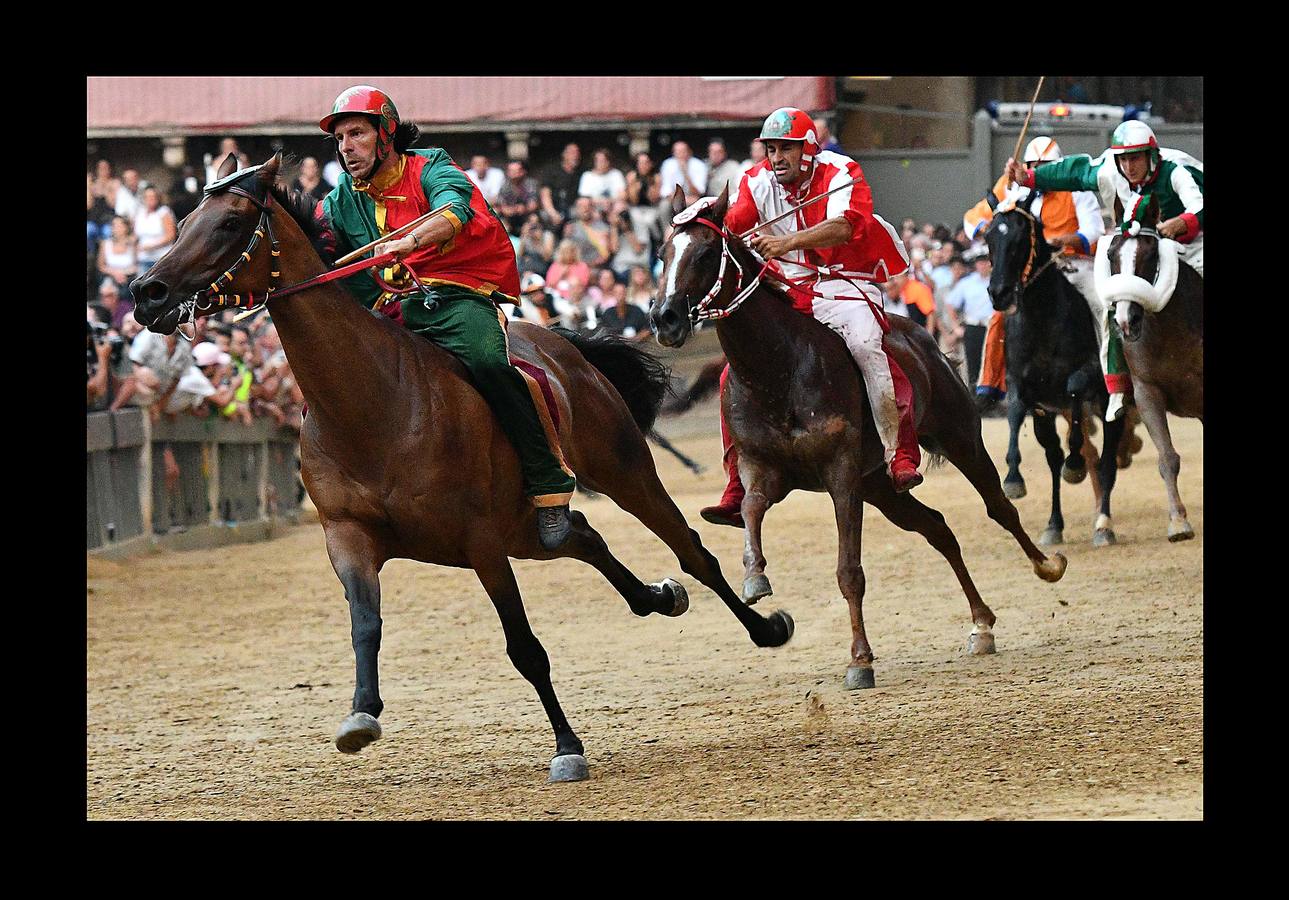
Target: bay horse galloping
x=1052, y=364
x=796, y=407
x=395, y=422
x=1158, y=302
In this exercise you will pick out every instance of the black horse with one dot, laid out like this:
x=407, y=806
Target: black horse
x=1053, y=364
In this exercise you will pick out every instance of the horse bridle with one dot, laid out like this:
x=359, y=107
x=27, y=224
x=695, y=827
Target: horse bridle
x=1026, y=279
x=703, y=310
x=216, y=300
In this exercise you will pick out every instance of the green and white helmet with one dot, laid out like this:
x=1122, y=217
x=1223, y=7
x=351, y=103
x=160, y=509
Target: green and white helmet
x=1134, y=137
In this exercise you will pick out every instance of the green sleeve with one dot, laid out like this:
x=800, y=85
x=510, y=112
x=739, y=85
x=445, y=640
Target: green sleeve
x=1074, y=173
x=445, y=183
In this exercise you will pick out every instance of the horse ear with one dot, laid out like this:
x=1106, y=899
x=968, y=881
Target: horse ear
x=1152, y=212
x=267, y=174
x=227, y=167
x=722, y=205
x=678, y=201
x=1118, y=211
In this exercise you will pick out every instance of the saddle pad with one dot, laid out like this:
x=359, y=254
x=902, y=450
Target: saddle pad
x=538, y=374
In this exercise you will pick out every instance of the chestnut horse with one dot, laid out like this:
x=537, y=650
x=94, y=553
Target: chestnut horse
x=1164, y=348
x=796, y=407
x=404, y=459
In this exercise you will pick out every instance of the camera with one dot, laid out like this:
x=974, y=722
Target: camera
x=95, y=334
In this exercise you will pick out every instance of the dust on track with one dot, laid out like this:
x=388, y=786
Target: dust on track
x=216, y=678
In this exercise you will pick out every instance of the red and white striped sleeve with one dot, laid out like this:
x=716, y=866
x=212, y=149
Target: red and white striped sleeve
x=742, y=213
x=855, y=203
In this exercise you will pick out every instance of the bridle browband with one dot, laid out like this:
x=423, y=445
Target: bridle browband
x=213, y=299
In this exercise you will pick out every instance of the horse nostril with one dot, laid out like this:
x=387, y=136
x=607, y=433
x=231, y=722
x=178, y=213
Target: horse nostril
x=670, y=319
x=150, y=290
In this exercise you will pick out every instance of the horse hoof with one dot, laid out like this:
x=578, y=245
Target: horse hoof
x=1180, y=530
x=1013, y=490
x=981, y=643
x=786, y=625
x=1071, y=475
x=1104, y=537
x=1051, y=569
x=858, y=678
x=679, y=595
x=755, y=588
x=1051, y=538
x=570, y=767
x=1123, y=462
x=357, y=731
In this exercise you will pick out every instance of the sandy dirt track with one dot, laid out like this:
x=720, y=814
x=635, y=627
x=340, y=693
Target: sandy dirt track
x=216, y=678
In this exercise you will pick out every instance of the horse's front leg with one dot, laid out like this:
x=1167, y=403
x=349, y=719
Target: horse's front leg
x=1074, y=469
x=848, y=504
x=1014, y=483
x=355, y=557
x=1154, y=412
x=761, y=493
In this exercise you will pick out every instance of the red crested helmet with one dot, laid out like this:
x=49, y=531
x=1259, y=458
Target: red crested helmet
x=372, y=102
x=791, y=124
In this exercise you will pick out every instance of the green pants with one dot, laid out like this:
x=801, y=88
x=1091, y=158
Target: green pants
x=467, y=326
x=1113, y=364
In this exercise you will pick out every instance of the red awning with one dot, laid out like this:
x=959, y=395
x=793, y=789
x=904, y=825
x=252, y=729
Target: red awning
x=155, y=105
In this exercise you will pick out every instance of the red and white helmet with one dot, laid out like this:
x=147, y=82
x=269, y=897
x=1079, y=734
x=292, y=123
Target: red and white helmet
x=1135, y=137
x=791, y=124
x=1042, y=149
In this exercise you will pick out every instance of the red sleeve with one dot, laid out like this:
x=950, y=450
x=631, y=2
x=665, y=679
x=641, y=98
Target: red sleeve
x=1192, y=227
x=859, y=212
x=742, y=213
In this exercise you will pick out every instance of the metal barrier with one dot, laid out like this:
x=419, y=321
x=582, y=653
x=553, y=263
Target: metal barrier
x=229, y=474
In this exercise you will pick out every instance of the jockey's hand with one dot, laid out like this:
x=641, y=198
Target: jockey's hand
x=1015, y=171
x=771, y=245
x=1173, y=228
x=403, y=246
x=1066, y=240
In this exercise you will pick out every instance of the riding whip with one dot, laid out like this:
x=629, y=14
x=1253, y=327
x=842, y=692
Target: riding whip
x=1025, y=127
x=797, y=209
x=396, y=233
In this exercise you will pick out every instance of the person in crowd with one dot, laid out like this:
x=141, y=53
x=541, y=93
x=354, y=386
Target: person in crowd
x=640, y=287
x=585, y=311
x=160, y=362
x=226, y=146
x=589, y=232
x=110, y=382
x=756, y=155
x=241, y=375
x=206, y=392
x=567, y=270
x=540, y=305
x=127, y=194
x=116, y=301
x=643, y=182
x=559, y=187
x=918, y=300
x=600, y=293
x=185, y=193
x=118, y=257
x=684, y=169
x=486, y=176
x=827, y=141
x=630, y=243
x=624, y=318
x=518, y=197
x=309, y=180
x=154, y=226
x=969, y=309
x=536, y=246
x=100, y=202
x=721, y=170
x=602, y=183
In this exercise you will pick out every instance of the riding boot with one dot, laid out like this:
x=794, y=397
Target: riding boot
x=904, y=463
x=729, y=510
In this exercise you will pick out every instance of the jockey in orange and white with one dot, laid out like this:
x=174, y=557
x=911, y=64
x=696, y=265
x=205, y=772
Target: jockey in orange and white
x=836, y=252
x=1071, y=223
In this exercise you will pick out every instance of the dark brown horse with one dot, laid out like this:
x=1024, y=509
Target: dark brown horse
x=1165, y=349
x=396, y=429
x=796, y=407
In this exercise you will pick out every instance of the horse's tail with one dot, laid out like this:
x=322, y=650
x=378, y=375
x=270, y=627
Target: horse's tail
x=638, y=375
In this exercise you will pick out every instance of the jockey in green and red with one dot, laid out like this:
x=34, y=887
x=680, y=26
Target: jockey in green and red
x=464, y=258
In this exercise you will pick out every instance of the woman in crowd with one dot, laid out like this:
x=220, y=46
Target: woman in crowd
x=118, y=257
x=568, y=270
x=643, y=181
x=628, y=240
x=536, y=246
x=154, y=226
x=640, y=288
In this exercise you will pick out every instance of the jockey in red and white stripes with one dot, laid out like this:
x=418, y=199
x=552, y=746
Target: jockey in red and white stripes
x=835, y=251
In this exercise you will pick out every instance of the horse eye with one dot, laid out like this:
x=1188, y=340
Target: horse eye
x=230, y=224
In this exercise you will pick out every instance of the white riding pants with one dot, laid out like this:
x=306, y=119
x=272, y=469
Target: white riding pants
x=855, y=321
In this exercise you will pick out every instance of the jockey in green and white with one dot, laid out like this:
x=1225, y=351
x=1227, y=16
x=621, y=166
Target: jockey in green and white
x=1133, y=167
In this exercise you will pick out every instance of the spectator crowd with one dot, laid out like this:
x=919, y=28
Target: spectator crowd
x=586, y=240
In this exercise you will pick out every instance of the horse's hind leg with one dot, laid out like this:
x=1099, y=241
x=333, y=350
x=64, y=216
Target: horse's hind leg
x=1075, y=468
x=1014, y=484
x=907, y=512
x=966, y=450
x=633, y=484
x=1045, y=432
x=1153, y=406
x=355, y=558
x=848, y=505
x=1103, y=531
x=668, y=598
x=529, y=657
x=756, y=503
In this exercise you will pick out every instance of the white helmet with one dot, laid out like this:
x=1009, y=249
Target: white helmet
x=1135, y=137
x=1042, y=149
